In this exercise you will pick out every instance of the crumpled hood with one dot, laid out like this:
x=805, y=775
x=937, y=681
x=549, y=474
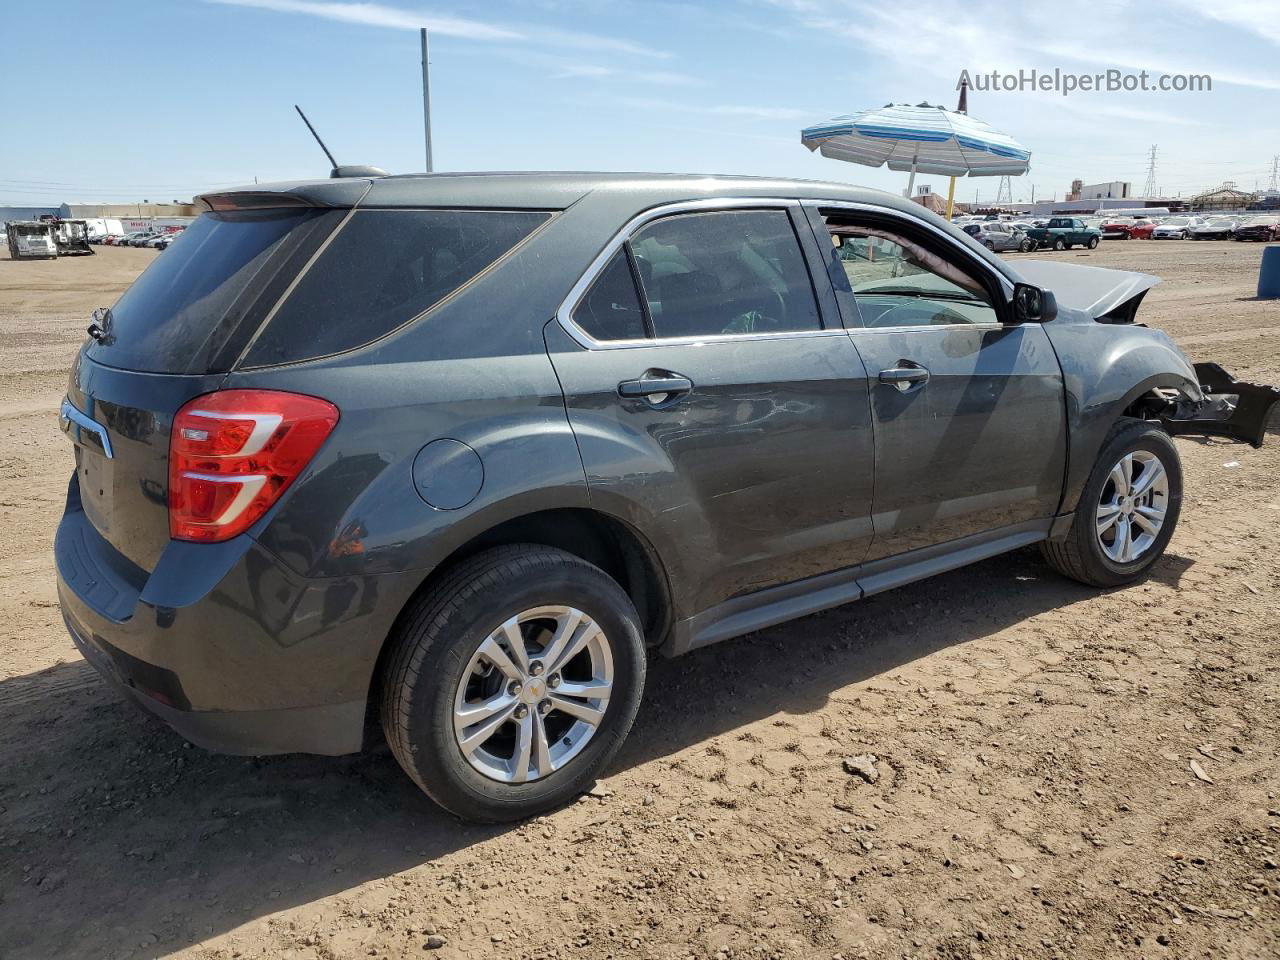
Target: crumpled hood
x=1095, y=290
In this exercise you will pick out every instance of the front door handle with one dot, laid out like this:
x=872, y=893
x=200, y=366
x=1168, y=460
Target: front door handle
x=905, y=376
x=655, y=386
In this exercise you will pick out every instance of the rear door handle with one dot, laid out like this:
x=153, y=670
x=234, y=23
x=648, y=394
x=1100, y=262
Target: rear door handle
x=655, y=385
x=905, y=376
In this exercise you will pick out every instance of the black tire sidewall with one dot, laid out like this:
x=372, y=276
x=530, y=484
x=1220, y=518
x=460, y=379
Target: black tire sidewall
x=438, y=763
x=1139, y=436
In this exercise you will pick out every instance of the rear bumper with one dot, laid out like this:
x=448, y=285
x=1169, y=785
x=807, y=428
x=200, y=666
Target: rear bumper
x=332, y=730
x=224, y=642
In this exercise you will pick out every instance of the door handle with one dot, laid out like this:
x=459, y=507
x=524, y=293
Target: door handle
x=905, y=376
x=655, y=385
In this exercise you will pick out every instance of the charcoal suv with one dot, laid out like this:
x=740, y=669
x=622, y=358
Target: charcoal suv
x=462, y=451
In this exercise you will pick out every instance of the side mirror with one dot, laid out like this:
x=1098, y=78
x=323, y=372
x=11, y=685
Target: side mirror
x=1033, y=305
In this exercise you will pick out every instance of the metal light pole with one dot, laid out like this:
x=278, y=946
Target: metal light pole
x=426, y=97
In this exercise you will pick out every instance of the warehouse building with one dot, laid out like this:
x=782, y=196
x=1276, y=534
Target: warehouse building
x=1225, y=197
x=90, y=211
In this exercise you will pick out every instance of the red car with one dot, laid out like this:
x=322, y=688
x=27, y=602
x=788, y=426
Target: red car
x=1259, y=228
x=1128, y=229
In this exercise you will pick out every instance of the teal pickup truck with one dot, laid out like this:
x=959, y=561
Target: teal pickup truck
x=1062, y=233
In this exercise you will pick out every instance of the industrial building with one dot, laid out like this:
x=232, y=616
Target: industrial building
x=117, y=211
x=1225, y=197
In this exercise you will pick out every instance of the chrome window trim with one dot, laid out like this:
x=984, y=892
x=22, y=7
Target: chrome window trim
x=916, y=328
x=564, y=315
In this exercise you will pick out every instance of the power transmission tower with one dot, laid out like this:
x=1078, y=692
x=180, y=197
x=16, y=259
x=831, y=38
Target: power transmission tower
x=1275, y=174
x=1150, y=189
x=1005, y=193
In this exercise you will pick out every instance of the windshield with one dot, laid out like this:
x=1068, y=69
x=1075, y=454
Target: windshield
x=1177, y=222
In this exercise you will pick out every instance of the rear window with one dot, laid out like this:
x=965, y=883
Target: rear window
x=194, y=309
x=381, y=270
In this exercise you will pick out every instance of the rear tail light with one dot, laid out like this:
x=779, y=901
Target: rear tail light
x=234, y=452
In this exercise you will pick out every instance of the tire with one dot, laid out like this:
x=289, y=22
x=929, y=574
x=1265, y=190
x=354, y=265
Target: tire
x=437, y=641
x=989, y=245
x=1027, y=246
x=1059, y=244
x=1081, y=554
x=1093, y=243
x=1184, y=235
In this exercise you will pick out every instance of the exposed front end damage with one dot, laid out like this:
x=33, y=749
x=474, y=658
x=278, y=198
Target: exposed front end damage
x=1231, y=408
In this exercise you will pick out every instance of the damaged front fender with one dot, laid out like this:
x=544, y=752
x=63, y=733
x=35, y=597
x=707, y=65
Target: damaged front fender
x=1231, y=408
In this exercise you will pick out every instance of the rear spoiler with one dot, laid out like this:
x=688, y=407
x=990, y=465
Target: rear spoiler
x=341, y=193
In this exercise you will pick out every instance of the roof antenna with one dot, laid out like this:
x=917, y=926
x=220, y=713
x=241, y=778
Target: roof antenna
x=339, y=171
x=332, y=162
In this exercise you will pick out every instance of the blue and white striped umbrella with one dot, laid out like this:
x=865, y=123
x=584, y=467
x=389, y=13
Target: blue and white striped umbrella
x=921, y=139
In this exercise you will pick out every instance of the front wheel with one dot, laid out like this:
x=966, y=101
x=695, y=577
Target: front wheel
x=513, y=682
x=1093, y=243
x=1027, y=246
x=1127, y=511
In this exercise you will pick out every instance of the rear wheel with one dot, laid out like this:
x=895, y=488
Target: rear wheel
x=989, y=245
x=1059, y=244
x=513, y=682
x=1127, y=511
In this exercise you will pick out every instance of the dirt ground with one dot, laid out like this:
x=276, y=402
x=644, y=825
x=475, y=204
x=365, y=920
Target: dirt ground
x=1034, y=742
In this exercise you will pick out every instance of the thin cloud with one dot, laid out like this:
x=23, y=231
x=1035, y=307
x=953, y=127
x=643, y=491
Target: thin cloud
x=658, y=78
x=377, y=15
x=719, y=110
x=935, y=36
x=578, y=71
x=1094, y=109
x=1258, y=17
x=394, y=18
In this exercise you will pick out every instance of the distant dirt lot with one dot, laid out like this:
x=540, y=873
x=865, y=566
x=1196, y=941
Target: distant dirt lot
x=1033, y=738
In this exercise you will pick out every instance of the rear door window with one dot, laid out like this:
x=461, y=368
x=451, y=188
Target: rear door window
x=724, y=273
x=382, y=269
x=194, y=309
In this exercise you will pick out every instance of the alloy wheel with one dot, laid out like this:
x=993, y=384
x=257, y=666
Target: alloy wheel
x=1132, y=506
x=533, y=694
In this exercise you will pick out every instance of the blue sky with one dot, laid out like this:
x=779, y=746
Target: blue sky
x=159, y=99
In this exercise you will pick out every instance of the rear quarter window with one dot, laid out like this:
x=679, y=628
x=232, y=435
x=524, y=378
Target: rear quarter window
x=382, y=269
x=195, y=307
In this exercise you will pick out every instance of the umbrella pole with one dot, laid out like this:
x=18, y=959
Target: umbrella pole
x=911, y=182
x=951, y=197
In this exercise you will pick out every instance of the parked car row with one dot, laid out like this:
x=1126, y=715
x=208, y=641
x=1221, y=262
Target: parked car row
x=1062, y=233
x=155, y=239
